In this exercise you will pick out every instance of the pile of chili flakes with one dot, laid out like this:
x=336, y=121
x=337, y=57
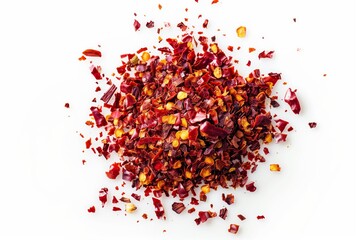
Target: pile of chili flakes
x=185, y=121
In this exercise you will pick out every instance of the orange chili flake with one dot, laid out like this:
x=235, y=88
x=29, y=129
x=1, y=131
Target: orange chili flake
x=275, y=167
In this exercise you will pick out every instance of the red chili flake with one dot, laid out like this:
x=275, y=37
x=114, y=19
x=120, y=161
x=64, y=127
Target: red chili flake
x=136, y=196
x=251, y=187
x=205, y=23
x=234, y=228
x=204, y=216
x=82, y=58
x=251, y=49
x=114, y=171
x=266, y=55
x=159, y=209
x=291, y=99
x=178, y=207
x=191, y=210
x=97, y=89
x=229, y=199
x=150, y=24
x=88, y=143
x=67, y=105
x=214, y=1
x=281, y=124
x=83, y=162
x=125, y=200
x=194, y=201
x=266, y=150
x=91, y=209
x=137, y=25
x=248, y=63
x=290, y=129
x=116, y=209
x=324, y=75
x=92, y=53
x=312, y=124
x=144, y=216
x=223, y=213
x=260, y=217
x=141, y=50
x=95, y=72
x=103, y=196
x=241, y=217
x=230, y=48
x=280, y=137
x=182, y=26
x=114, y=200
x=159, y=6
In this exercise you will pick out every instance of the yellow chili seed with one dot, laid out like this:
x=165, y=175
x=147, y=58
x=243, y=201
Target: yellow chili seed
x=145, y=56
x=130, y=207
x=205, y=188
x=184, y=135
x=177, y=165
x=184, y=122
x=175, y=143
x=182, y=95
x=205, y=172
x=275, y=167
x=217, y=72
x=118, y=133
x=209, y=160
x=188, y=174
x=241, y=31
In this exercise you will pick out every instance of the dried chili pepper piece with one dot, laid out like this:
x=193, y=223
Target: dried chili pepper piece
x=91, y=53
x=263, y=54
x=91, y=209
x=137, y=25
x=291, y=99
x=260, y=217
x=312, y=124
x=178, y=207
x=103, y=196
x=223, y=213
x=114, y=171
x=159, y=209
x=241, y=217
x=234, y=228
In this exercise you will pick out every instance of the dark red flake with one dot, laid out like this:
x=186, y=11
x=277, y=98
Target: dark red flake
x=95, y=72
x=159, y=209
x=67, y=105
x=205, y=23
x=191, y=210
x=229, y=199
x=125, y=200
x=103, y=196
x=251, y=187
x=266, y=55
x=116, y=209
x=91, y=209
x=137, y=25
x=281, y=124
x=291, y=99
x=223, y=213
x=194, y=201
x=150, y=24
x=204, y=216
x=234, y=228
x=114, y=200
x=88, y=143
x=136, y=196
x=178, y=207
x=260, y=217
x=241, y=217
x=312, y=124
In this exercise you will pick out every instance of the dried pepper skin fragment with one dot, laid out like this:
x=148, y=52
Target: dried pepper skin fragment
x=234, y=228
x=159, y=209
x=178, y=207
x=91, y=209
x=291, y=99
x=263, y=54
x=114, y=171
x=91, y=53
x=103, y=196
x=312, y=124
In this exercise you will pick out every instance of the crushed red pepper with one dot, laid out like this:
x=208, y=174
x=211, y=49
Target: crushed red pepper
x=186, y=118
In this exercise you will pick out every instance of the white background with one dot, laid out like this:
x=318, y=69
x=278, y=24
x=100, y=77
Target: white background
x=45, y=189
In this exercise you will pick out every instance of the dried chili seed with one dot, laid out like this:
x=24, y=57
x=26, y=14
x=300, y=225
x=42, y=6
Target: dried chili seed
x=275, y=167
x=312, y=124
x=91, y=209
x=178, y=207
x=130, y=207
x=234, y=228
x=241, y=31
x=291, y=99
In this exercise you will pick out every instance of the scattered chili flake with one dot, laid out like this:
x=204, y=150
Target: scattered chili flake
x=291, y=99
x=251, y=187
x=150, y=24
x=214, y=1
x=178, y=207
x=281, y=124
x=83, y=162
x=204, y=216
x=67, y=105
x=144, y=216
x=159, y=6
x=248, y=63
x=205, y=23
x=91, y=53
x=116, y=209
x=194, y=201
x=136, y=196
x=230, y=48
x=88, y=143
x=137, y=25
x=294, y=19
x=266, y=55
x=223, y=213
x=91, y=209
x=241, y=217
x=125, y=199
x=266, y=150
x=234, y=228
x=114, y=200
x=114, y=171
x=260, y=217
x=324, y=75
x=241, y=31
x=229, y=199
x=159, y=209
x=95, y=71
x=312, y=124
x=103, y=196
x=275, y=167
x=191, y=210
x=251, y=49
x=82, y=58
